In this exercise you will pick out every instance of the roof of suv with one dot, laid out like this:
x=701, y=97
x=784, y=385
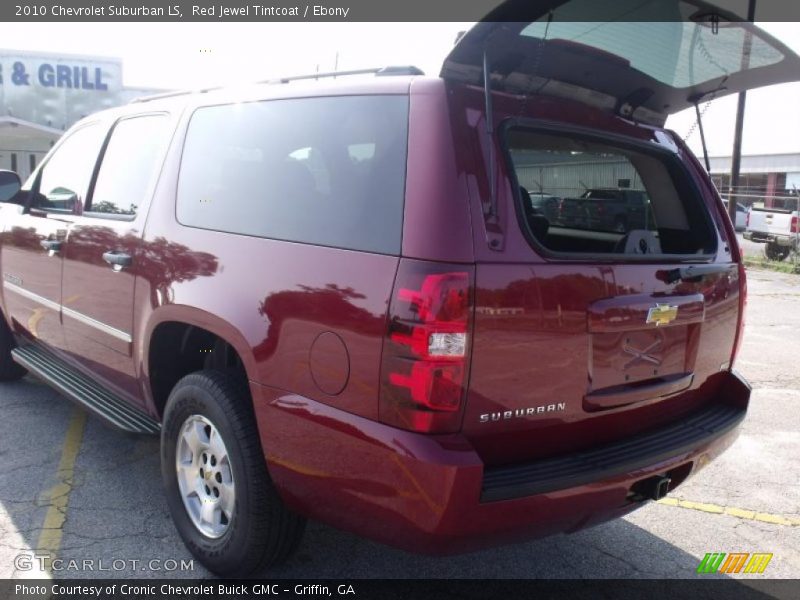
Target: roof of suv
x=304, y=88
x=268, y=90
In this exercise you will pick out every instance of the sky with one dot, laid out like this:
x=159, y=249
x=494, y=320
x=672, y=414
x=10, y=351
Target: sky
x=191, y=55
x=772, y=114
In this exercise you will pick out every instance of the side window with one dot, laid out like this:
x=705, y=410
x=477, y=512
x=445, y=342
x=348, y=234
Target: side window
x=328, y=171
x=128, y=166
x=64, y=178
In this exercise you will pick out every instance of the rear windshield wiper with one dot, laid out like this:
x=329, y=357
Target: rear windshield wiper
x=696, y=272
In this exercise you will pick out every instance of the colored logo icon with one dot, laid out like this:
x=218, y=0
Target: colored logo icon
x=735, y=562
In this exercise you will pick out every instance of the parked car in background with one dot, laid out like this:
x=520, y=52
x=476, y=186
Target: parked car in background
x=775, y=227
x=607, y=209
x=544, y=204
x=741, y=215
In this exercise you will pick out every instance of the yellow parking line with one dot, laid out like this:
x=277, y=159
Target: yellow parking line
x=58, y=496
x=740, y=513
x=33, y=322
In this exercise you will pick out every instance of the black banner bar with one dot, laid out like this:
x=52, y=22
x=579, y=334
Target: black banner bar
x=416, y=589
x=337, y=10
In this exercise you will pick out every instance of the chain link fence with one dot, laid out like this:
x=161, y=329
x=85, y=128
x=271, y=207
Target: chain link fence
x=788, y=259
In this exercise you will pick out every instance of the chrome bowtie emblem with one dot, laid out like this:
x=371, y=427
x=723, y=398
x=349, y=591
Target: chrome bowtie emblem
x=662, y=314
x=641, y=355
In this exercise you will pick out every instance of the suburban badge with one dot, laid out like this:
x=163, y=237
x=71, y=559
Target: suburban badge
x=523, y=412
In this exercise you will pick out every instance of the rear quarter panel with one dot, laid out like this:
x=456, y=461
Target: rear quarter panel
x=270, y=299
x=437, y=224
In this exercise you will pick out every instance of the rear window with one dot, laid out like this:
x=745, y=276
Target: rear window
x=605, y=199
x=658, y=40
x=327, y=171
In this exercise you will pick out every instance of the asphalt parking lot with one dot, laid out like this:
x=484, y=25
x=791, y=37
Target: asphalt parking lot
x=752, y=249
x=74, y=488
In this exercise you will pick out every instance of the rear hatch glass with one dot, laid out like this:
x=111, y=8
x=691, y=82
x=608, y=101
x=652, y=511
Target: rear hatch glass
x=608, y=198
x=641, y=59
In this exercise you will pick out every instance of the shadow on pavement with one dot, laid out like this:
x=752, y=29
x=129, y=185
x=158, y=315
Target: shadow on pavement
x=117, y=510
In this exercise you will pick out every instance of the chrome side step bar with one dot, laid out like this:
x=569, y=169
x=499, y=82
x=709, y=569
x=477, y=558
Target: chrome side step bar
x=82, y=390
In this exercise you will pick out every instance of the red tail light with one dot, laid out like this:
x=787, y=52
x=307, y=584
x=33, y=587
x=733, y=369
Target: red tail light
x=794, y=224
x=426, y=352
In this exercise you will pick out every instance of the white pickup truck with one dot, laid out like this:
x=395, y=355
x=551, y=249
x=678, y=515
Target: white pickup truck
x=776, y=227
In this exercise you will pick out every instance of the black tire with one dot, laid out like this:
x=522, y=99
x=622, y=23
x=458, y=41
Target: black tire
x=262, y=531
x=776, y=252
x=9, y=370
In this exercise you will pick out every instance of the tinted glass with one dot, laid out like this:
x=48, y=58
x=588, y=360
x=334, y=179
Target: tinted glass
x=64, y=179
x=327, y=171
x=129, y=164
x=9, y=185
x=606, y=199
x=655, y=38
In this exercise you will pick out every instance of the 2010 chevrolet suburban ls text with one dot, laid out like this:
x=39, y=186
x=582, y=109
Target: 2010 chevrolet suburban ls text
x=336, y=300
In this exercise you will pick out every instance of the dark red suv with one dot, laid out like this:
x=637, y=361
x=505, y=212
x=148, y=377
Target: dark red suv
x=332, y=298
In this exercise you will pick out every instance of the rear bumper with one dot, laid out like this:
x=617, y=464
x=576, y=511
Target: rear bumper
x=431, y=494
x=780, y=240
x=619, y=458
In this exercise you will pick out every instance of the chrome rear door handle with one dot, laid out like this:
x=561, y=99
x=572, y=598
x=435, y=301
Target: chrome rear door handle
x=118, y=260
x=52, y=246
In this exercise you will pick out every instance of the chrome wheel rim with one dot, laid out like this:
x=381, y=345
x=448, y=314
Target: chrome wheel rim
x=205, y=476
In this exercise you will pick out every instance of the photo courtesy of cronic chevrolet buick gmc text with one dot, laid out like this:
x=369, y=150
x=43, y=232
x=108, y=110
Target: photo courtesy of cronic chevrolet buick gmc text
x=335, y=298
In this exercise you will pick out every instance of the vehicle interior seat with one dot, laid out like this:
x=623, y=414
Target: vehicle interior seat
x=537, y=222
x=639, y=241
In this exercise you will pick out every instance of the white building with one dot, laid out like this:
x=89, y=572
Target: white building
x=42, y=95
x=771, y=179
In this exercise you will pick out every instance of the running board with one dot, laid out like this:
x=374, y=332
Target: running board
x=79, y=388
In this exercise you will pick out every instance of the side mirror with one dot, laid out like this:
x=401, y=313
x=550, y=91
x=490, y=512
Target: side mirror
x=9, y=185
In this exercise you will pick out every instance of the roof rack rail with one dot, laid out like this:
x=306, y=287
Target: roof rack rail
x=377, y=71
x=390, y=71
x=160, y=96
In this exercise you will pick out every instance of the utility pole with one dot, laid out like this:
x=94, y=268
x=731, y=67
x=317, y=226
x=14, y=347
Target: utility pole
x=736, y=159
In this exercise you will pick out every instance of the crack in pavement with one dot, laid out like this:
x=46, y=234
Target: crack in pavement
x=627, y=563
x=58, y=496
x=42, y=465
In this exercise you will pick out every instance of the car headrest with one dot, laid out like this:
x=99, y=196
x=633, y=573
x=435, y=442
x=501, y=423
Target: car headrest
x=538, y=223
x=639, y=241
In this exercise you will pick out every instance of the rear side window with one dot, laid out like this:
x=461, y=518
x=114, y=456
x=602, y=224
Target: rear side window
x=327, y=171
x=128, y=166
x=584, y=196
